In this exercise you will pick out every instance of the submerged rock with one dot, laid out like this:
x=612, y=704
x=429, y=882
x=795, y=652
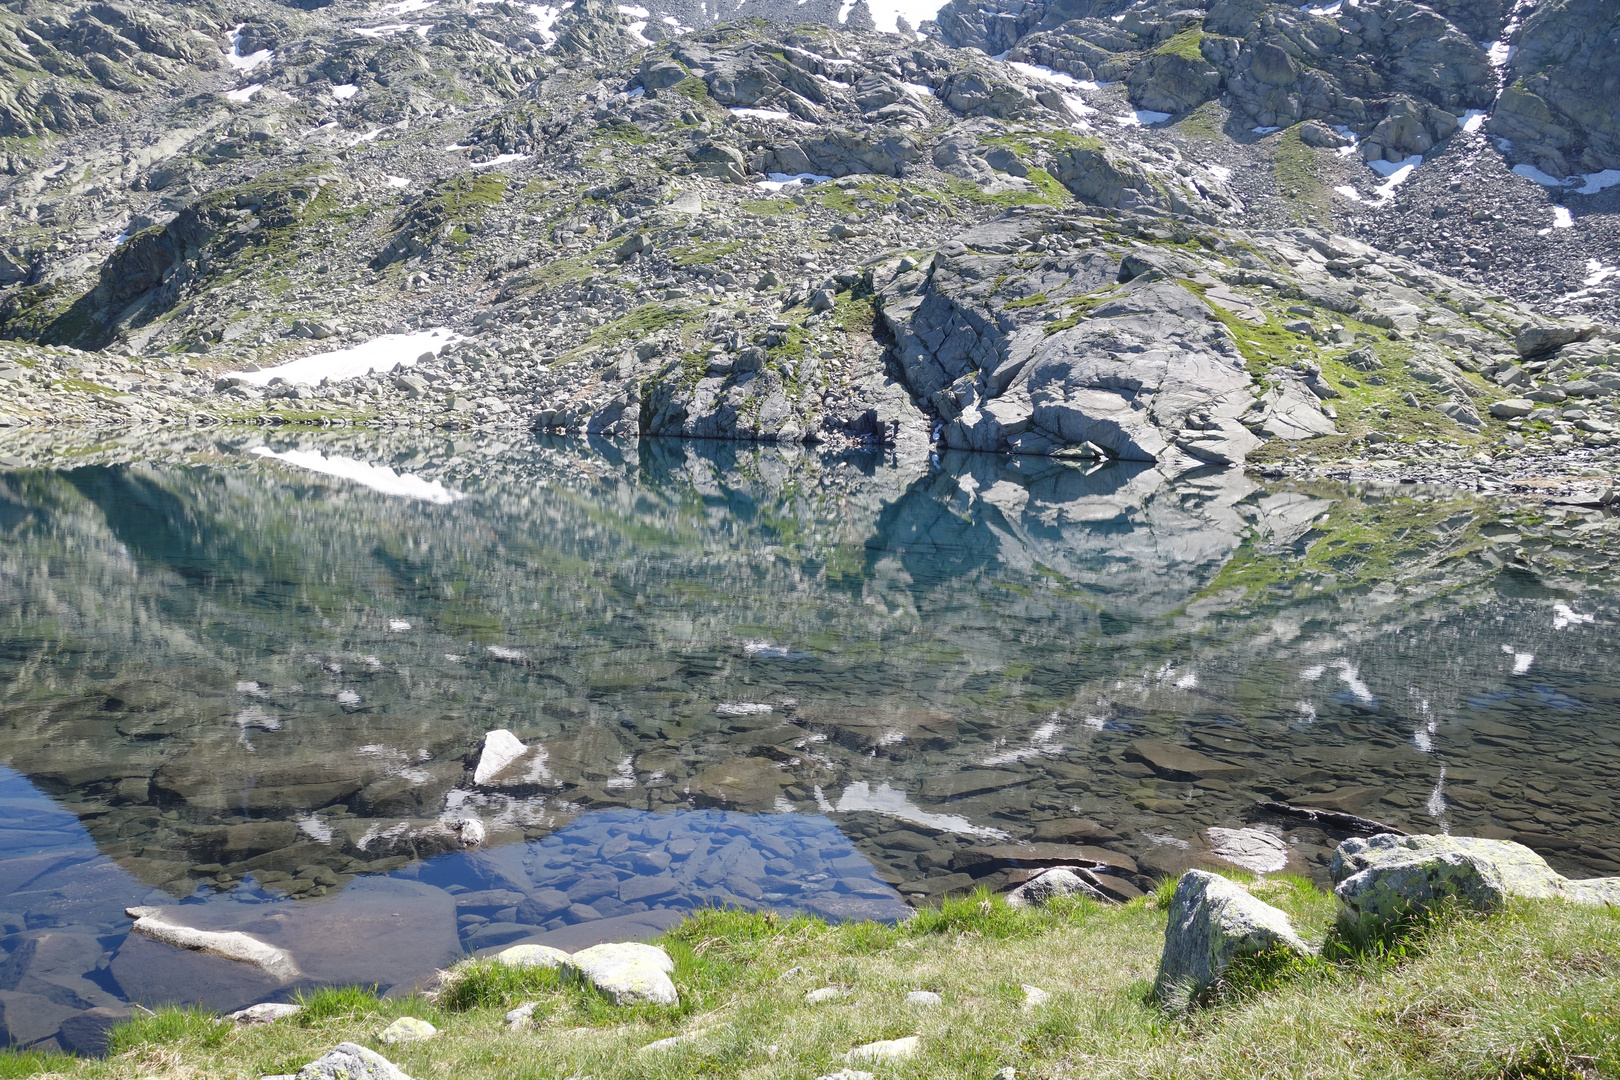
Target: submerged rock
x=1214, y=922
x=229, y=945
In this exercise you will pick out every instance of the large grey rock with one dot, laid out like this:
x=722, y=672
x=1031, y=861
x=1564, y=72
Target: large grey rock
x=350, y=1061
x=631, y=973
x=1535, y=341
x=1385, y=878
x=1214, y=922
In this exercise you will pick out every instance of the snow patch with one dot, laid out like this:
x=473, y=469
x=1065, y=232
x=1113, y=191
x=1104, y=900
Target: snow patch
x=500, y=159
x=544, y=16
x=404, y=7
x=1142, y=118
x=1267, y=130
x=776, y=181
x=918, y=88
x=1597, y=273
x=1219, y=172
x=351, y=363
x=392, y=29
x=376, y=477
x=1562, y=219
x=1530, y=172
x=345, y=92
x=1473, y=120
x=886, y=13
x=1046, y=74
x=770, y=114
x=250, y=61
x=245, y=94
x=1599, y=181
x=742, y=708
x=397, y=181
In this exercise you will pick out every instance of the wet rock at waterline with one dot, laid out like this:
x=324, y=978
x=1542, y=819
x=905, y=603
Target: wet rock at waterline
x=1058, y=881
x=1214, y=922
x=1384, y=879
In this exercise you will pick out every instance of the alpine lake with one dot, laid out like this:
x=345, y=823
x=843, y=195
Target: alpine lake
x=250, y=678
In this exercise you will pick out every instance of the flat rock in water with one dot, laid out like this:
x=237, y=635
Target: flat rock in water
x=225, y=944
x=1074, y=831
x=631, y=973
x=349, y=1061
x=86, y=1033
x=1213, y=922
x=982, y=860
x=154, y=974
x=1174, y=761
x=1260, y=850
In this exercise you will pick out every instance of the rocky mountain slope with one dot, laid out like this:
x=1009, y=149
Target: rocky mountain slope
x=1187, y=233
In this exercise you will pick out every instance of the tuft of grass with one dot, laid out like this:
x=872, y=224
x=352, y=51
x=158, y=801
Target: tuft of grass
x=1184, y=44
x=337, y=1003
x=483, y=984
x=191, y=1027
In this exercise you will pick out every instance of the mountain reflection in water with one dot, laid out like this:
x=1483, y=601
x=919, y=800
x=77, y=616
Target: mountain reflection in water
x=256, y=669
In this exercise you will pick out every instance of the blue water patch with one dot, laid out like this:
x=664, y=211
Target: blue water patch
x=616, y=864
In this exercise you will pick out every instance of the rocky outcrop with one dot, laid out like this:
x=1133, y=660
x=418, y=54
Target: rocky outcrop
x=1087, y=349
x=1558, y=107
x=1385, y=879
x=1213, y=924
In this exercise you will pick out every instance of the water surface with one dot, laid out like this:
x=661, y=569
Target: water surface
x=252, y=676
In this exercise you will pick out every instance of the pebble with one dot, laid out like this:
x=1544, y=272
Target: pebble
x=924, y=998
x=1035, y=997
x=826, y=993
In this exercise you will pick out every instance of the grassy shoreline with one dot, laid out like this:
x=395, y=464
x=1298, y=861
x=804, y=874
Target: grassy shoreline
x=1530, y=993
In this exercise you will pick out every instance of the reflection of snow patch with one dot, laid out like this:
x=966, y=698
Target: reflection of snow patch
x=348, y=697
x=763, y=650
x=376, y=477
x=502, y=652
x=1349, y=675
x=742, y=708
x=1436, y=806
x=398, y=625
x=501, y=748
x=316, y=829
x=1564, y=615
x=886, y=800
x=1521, y=660
x=1312, y=673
